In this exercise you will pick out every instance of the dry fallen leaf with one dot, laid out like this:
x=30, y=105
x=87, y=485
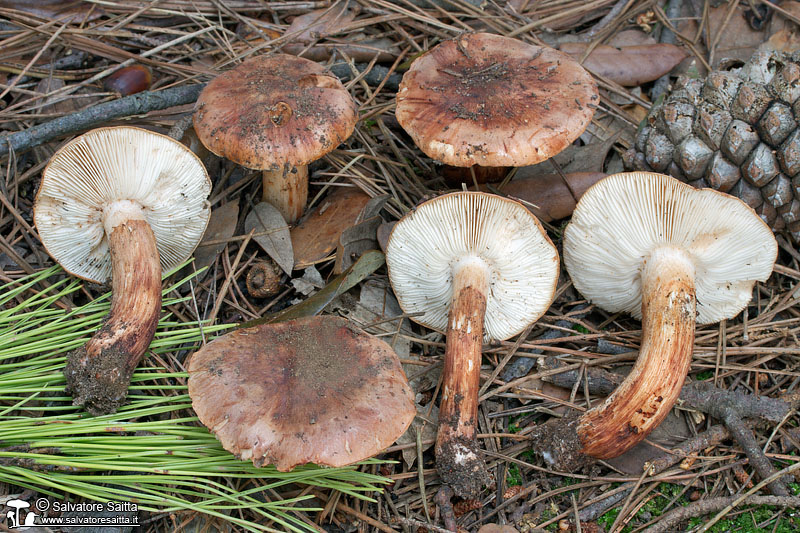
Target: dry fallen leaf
x=256, y=31
x=553, y=197
x=53, y=103
x=318, y=234
x=631, y=65
x=782, y=41
x=588, y=158
x=221, y=225
x=361, y=237
x=668, y=434
x=384, y=231
x=735, y=39
x=428, y=424
x=320, y=23
x=630, y=38
x=272, y=234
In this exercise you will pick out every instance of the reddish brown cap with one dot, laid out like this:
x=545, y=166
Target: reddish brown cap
x=273, y=110
x=311, y=390
x=484, y=99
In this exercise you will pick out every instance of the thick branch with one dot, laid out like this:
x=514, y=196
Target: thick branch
x=668, y=521
x=136, y=104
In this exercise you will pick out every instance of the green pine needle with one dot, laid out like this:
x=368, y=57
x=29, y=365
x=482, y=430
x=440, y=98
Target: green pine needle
x=153, y=451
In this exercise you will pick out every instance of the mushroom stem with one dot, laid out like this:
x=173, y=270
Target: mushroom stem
x=287, y=189
x=98, y=373
x=457, y=452
x=646, y=396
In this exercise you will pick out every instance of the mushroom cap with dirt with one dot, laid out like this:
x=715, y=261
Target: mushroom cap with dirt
x=671, y=255
x=122, y=204
x=467, y=263
x=310, y=390
x=276, y=113
x=488, y=100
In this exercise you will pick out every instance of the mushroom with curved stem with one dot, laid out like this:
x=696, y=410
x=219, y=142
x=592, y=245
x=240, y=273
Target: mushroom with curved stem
x=123, y=204
x=673, y=256
x=277, y=114
x=476, y=266
x=310, y=390
x=492, y=102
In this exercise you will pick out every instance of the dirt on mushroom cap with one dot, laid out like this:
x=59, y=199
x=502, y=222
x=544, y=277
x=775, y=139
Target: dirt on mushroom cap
x=309, y=390
x=489, y=100
x=274, y=110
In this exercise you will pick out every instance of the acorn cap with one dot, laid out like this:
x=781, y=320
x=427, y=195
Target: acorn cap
x=311, y=390
x=107, y=165
x=274, y=110
x=621, y=219
x=484, y=99
x=522, y=262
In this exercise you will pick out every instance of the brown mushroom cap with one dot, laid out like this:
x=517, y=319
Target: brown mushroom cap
x=484, y=99
x=311, y=390
x=274, y=110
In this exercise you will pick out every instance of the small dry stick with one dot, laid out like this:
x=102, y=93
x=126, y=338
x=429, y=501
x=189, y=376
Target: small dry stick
x=442, y=499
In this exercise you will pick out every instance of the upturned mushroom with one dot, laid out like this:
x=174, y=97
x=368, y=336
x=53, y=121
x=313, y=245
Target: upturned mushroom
x=277, y=114
x=120, y=204
x=310, y=390
x=672, y=256
x=492, y=101
x=478, y=267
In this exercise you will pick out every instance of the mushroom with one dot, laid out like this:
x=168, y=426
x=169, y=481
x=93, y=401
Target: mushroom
x=488, y=100
x=478, y=267
x=310, y=390
x=277, y=114
x=13, y=516
x=124, y=204
x=670, y=255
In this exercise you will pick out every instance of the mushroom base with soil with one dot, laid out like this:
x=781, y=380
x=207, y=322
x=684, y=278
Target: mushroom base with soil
x=286, y=188
x=646, y=396
x=98, y=374
x=458, y=459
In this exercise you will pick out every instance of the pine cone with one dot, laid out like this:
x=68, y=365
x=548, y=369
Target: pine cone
x=735, y=131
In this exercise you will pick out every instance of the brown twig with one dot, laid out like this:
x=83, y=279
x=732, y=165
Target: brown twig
x=442, y=499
